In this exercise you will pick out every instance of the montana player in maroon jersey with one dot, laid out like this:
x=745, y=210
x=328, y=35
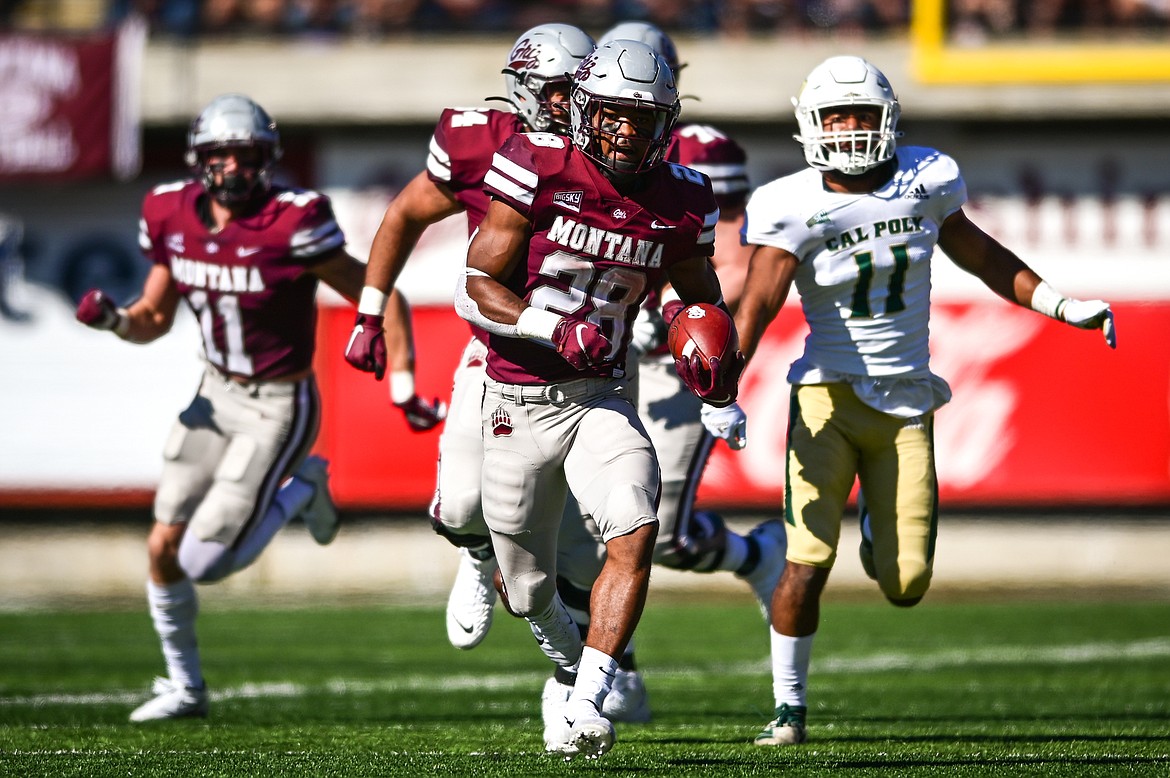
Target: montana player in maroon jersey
x=246, y=255
x=575, y=235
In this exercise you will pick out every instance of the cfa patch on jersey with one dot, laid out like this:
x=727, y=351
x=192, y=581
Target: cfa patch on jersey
x=569, y=200
x=820, y=217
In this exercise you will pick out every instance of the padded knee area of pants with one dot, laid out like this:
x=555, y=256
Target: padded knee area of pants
x=624, y=508
x=905, y=582
x=530, y=593
x=205, y=561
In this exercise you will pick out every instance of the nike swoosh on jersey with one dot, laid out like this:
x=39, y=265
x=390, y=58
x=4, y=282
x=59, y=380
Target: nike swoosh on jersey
x=656, y=225
x=247, y=251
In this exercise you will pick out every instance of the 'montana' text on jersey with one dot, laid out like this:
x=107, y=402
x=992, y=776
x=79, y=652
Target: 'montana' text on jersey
x=605, y=244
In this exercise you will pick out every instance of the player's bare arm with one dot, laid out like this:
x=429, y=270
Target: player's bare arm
x=694, y=281
x=151, y=315
x=343, y=272
x=499, y=244
x=1010, y=277
x=420, y=204
x=769, y=278
x=983, y=256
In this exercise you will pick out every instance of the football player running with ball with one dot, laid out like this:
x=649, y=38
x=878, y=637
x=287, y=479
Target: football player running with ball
x=537, y=77
x=575, y=235
x=246, y=255
x=683, y=429
x=856, y=232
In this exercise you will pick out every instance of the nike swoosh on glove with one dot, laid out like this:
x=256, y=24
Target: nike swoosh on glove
x=728, y=423
x=366, y=349
x=581, y=343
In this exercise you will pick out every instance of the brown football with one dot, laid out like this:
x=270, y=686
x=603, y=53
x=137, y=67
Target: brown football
x=703, y=329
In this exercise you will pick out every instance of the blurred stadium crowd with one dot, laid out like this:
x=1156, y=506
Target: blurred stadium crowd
x=970, y=20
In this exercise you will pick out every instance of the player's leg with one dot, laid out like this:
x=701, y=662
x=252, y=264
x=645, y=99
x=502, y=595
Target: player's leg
x=613, y=472
x=192, y=447
x=271, y=427
x=898, y=477
x=698, y=541
x=821, y=469
x=524, y=494
x=455, y=510
x=580, y=556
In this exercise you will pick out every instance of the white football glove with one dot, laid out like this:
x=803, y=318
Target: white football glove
x=1091, y=315
x=648, y=331
x=728, y=422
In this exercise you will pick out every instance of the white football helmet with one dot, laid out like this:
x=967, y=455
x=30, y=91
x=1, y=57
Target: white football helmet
x=647, y=33
x=630, y=76
x=547, y=55
x=233, y=121
x=836, y=82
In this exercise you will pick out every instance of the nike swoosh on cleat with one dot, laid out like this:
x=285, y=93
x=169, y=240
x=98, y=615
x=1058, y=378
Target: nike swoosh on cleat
x=460, y=623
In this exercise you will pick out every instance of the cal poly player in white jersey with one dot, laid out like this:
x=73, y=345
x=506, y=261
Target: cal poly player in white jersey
x=856, y=233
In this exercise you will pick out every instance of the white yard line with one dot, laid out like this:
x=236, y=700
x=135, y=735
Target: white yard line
x=1069, y=654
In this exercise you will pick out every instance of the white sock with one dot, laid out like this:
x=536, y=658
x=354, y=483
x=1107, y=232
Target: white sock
x=790, y=660
x=594, y=678
x=173, y=608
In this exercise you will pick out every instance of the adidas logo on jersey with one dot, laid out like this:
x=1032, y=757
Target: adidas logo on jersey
x=917, y=193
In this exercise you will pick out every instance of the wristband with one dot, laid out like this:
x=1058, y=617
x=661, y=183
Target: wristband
x=373, y=301
x=537, y=324
x=401, y=386
x=1048, y=301
x=121, y=326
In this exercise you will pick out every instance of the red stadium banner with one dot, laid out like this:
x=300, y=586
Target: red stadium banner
x=69, y=105
x=1042, y=414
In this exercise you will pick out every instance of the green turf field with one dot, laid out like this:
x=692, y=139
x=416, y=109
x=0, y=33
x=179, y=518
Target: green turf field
x=948, y=689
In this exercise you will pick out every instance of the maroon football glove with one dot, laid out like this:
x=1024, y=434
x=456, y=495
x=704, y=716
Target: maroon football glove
x=582, y=344
x=671, y=309
x=97, y=310
x=422, y=415
x=366, y=349
x=718, y=386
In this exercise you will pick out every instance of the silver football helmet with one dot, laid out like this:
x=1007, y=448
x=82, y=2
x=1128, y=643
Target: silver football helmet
x=541, y=60
x=841, y=81
x=647, y=33
x=233, y=121
x=621, y=81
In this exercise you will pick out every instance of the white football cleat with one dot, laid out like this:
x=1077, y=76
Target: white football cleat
x=591, y=735
x=553, y=701
x=472, y=600
x=773, y=542
x=627, y=700
x=172, y=702
x=320, y=515
x=787, y=729
x=558, y=636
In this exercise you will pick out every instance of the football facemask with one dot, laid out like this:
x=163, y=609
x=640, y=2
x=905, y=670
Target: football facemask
x=624, y=106
x=235, y=125
x=840, y=82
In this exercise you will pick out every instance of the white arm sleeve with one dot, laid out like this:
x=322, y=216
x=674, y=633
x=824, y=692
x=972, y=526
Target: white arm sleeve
x=468, y=309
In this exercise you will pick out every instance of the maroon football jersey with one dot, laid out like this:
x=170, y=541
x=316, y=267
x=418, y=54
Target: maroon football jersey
x=594, y=253
x=247, y=284
x=461, y=154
